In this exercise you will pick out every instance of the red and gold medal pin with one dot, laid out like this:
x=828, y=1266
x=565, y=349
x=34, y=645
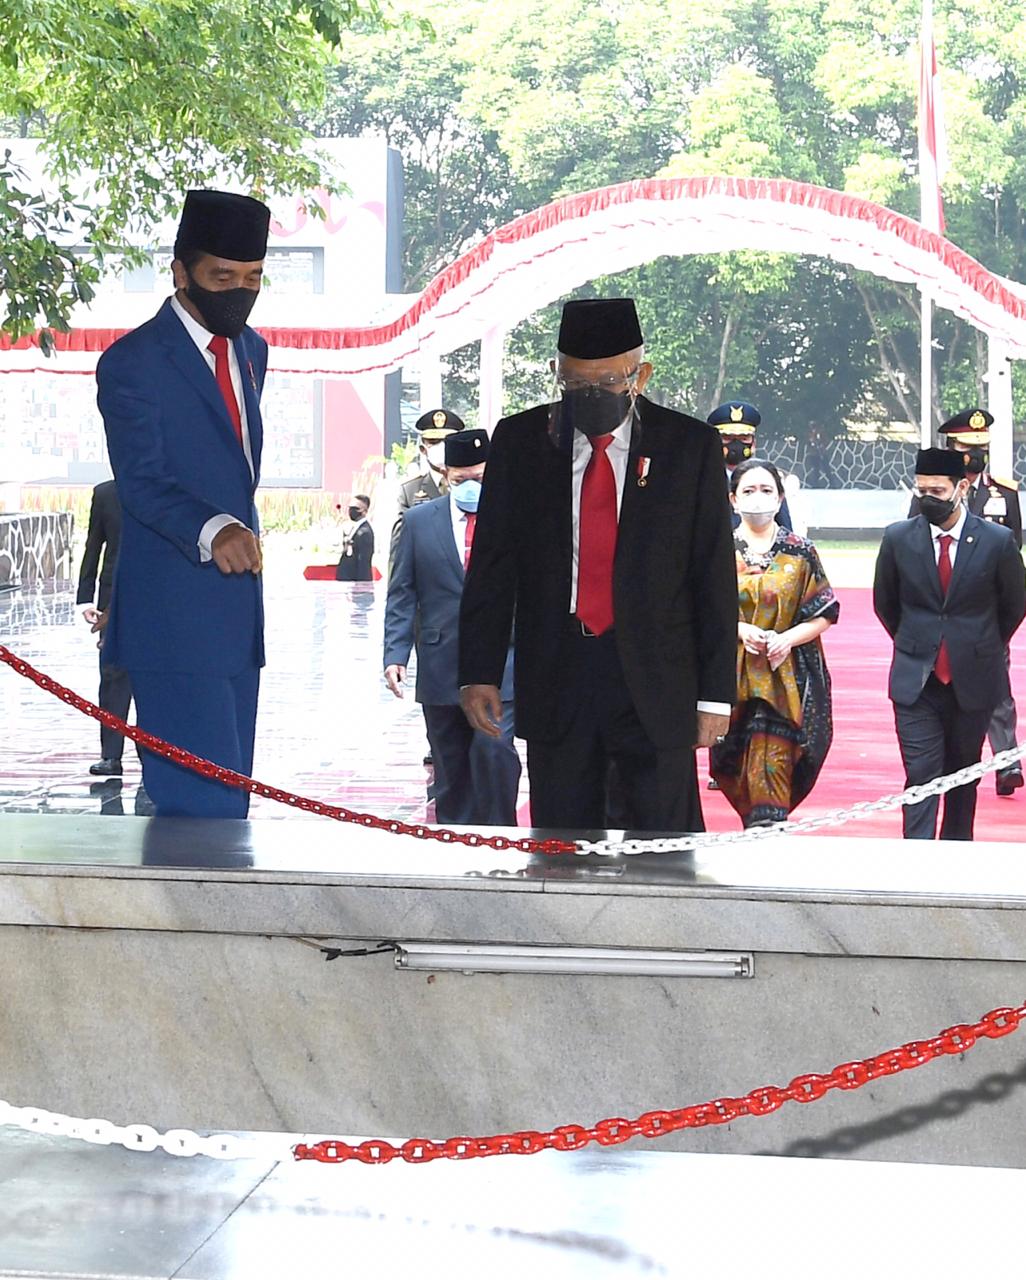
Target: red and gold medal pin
x=644, y=465
x=252, y=374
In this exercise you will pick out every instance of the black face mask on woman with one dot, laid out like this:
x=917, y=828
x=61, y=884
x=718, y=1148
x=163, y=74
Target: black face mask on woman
x=937, y=510
x=592, y=410
x=224, y=311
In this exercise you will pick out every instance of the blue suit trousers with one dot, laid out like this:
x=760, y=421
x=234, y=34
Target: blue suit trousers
x=211, y=716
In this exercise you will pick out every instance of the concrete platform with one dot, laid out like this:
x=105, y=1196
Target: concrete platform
x=170, y=973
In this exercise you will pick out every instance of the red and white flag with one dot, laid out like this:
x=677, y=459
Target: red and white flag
x=933, y=161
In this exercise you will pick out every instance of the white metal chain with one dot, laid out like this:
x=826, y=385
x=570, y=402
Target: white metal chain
x=141, y=1137
x=832, y=818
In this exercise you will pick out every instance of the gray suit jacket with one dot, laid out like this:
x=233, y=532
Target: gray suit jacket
x=984, y=606
x=423, y=606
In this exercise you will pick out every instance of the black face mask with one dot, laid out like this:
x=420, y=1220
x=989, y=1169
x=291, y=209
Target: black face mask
x=356, y=513
x=937, y=510
x=735, y=452
x=592, y=411
x=224, y=311
x=976, y=461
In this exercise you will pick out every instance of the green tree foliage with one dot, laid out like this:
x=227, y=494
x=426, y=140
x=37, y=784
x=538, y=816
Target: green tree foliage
x=148, y=97
x=516, y=104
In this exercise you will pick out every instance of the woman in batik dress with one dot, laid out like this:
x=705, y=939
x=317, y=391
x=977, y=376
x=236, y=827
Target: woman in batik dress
x=781, y=728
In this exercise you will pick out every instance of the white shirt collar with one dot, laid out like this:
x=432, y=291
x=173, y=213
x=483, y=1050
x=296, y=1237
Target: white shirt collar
x=193, y=328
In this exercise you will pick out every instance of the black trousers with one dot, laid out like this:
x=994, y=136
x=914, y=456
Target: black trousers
x=1003, y=724
x=936, y=737
x=115, y=697
x=657, y=791
x=476, y=777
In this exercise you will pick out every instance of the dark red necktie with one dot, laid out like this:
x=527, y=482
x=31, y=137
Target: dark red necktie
x=219, y=346
x=597, y=547
x=468, y=537
x=942, y=667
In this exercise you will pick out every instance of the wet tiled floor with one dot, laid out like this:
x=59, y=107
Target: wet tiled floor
x=327, y=725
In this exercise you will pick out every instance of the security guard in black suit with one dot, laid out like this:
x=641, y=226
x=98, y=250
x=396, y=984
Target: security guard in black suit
x=737, y=423
x=996, y=501
x=103, y=539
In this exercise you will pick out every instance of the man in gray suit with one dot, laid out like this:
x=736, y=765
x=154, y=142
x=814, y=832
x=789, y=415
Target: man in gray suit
x=951, y=592
x=476, y=776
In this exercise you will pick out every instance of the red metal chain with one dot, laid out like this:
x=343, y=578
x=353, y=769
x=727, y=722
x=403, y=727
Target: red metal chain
x=232, y=779
x=655, y=1124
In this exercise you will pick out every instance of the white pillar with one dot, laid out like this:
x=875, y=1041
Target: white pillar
x=490, y=379
x=999, y=402
x=430, y=363
x=925, y=369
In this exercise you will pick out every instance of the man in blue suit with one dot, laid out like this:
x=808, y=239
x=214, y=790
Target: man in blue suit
x=476, y=776
x=180, y=399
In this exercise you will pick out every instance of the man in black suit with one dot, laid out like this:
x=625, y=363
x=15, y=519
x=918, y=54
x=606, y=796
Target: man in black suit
x=737, y=423
x=102, y=539
x=951, y=591
x=604, y=530
x=358, y=549
x=968, y=433
x=476, y=775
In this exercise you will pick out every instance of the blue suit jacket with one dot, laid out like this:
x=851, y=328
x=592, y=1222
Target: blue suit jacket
x=177, y=462
x=423, y=607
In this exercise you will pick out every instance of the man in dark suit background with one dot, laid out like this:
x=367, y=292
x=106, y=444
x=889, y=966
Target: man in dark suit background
x=604, y=531
x=102, y=540
x=358, y=551
x=180, y=399
x=476, y=775
x=968, y=433
x=951, y=591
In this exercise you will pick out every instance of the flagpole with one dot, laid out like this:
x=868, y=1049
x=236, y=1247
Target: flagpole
x=930, y=210
x=925, y=369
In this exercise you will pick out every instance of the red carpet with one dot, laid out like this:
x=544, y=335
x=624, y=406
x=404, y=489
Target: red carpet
x=864, y=763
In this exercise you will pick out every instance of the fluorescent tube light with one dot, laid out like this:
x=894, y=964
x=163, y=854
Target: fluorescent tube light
x=492, y=957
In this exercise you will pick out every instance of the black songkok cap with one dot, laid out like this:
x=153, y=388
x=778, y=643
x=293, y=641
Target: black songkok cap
x=940, y=462
x=224, y=225
x=595, y=328
x=436, y=424
x=466, y=448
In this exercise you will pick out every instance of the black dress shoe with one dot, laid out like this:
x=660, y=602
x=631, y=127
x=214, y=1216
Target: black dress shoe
x=1008, y=780
x=106, y=769
x=428, y=759
x=713, y=785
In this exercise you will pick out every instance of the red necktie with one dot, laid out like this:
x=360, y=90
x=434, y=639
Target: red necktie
x=219, y=346
x=597, y=540
x=468, y=537
x=942, y=667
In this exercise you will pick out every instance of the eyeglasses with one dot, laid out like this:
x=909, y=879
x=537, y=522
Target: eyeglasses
x=609, y=382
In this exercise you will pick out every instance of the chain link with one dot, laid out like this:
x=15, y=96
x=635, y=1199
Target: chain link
x=207, y=769
x=525, y=844
x=568, y=1137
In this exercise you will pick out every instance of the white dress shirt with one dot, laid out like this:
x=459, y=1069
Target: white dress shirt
x=618, y=453
x=201, y=337
x=954, y=532
x=459, y=527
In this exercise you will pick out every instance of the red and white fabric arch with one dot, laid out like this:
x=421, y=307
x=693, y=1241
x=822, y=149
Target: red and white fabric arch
x=543, y=255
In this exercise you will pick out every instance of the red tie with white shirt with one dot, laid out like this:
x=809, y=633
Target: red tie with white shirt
x=942, y=667
x=468, y=537
x=218, y=344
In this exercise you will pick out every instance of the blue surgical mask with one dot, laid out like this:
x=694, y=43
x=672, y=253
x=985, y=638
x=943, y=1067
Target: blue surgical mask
x=467, y=494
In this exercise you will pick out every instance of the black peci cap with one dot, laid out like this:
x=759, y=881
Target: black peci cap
x=466, y=448
x=940, y=462
x=224, y=225
x=595, y=328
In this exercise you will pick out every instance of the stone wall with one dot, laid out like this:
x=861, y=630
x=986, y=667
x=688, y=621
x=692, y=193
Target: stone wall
x=34, y=547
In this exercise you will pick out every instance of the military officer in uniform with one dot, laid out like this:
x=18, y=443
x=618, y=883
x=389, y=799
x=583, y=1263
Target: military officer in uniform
x=433, y=427
x=737, y=423
x=997, y=501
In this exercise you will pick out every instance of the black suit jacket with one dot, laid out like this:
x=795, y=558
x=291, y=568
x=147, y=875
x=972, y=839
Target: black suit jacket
x=103, y=537
x=674, y=587
x=984, y=606
x=355, y=564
